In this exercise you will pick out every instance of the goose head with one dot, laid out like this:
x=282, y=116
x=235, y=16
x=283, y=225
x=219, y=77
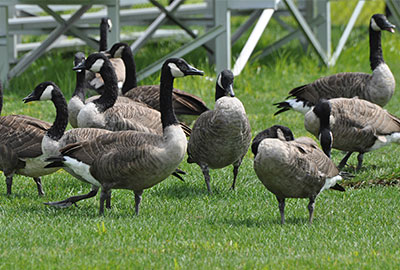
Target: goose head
x=93, y=63
x=117, y=49
x=323, y=111
x=79, y=57
x=177, y=67
x=225, y=82
x=106, y=23
x=277, y=131
x=379, y=22
x=43, y=91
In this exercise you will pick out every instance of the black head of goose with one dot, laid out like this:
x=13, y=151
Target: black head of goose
x=377, y=87
x=222, y=136
x=105, y=26
x=293, y=169
x=129, y=159
x=20, y=147
x=77, y=101
x=352, y=125
x=184, y=103
x=277, y=131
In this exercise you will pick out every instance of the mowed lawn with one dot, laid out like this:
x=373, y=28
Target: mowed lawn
x=180, y=225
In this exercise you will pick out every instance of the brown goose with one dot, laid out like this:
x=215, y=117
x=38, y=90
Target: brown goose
x=105, y=113
x=377, y=87
x=293, y=169
x=130, y=159
x=352, y=125
x=183, y=102
x=222, y=136
x=20, y=147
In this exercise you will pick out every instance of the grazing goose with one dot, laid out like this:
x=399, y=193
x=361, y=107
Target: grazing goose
x=352, y=125
x=183, y=102
x=56, y=137
x=277, y=131
x=293, y=169
x=77, y=101
x=20, y=147
x=103, y=112
x=377, y=87
x=95, y=81
x=220, y=137
x=130, y=159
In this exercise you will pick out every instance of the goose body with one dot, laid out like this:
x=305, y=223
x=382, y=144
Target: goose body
x=294, y=169
x=377, y=87
x=130, y=159
x=20, y=147
x=352, y=125
x=222, y=136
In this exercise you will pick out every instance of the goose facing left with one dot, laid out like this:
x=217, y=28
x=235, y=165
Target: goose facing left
x=293, y=169
x=20, y=147
x=129, y=159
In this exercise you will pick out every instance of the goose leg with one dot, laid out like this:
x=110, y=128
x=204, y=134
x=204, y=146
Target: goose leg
x=74, y=199
x=360, y=159
x=108, y=200
x=38, y=182
x=344, y=160
x=282, y=209
x=205, y=170
x=235, y=173
x=138, y=199
x=104, y=195
x=9, y=180
x=311, y=205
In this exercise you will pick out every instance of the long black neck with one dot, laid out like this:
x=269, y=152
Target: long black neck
x=57, y=130
x=110, y=93
x=375, y=48
x=130, y=70
x=103, y=37
x=219, y=92
x=1, y=97
x=167, y=111
x=80, y=85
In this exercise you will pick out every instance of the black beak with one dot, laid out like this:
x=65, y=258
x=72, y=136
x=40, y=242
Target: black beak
x=389, y=27
x=230, y=90
x=29, y=98
x=80, y=66
x=193, y=71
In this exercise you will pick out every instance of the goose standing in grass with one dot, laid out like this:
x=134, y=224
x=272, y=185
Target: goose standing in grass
x=20, y=147
x=222, y=136
x=130, y=159
x=104, y=112
x=94, y=80
x=183, y=102
x=293, y=169
x=352, y=125
x=377, y=87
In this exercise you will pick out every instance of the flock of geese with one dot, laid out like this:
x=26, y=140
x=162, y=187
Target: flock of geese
x=129, y=136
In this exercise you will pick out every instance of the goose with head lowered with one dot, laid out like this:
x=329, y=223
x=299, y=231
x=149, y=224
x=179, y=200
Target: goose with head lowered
x=184, y=103
x=293, y=168
x=104, y=112
x=222, y=136
x=377, y=87
x=129, y=159
x=20, y=147
x=94, y=80
x=352, y=125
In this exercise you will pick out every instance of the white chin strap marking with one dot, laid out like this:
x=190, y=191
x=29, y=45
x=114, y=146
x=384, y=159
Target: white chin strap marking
x=97, y=65
x=374, y=26
x=46, y=95
x=175, y=71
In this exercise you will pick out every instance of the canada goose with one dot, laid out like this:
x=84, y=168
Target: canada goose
x=222, y=136
x=352, y=125
x=130, y=159
x=277, y=131
x=104, y=113
x=377, y=87
x=77, y=101
x=56, y=137
x=20, y=147
x=183, y=102
x=293, y=169
x=95, y=81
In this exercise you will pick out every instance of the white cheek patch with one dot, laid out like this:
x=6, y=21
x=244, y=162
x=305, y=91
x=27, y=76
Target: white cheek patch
x=175, y=71
x=97, y=65
x=219, y=81
x=118, y=53
x=374, y=26
x=46, y=95
x=109, y=22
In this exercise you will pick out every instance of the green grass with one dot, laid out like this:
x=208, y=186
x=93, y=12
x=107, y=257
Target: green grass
x=182, y=227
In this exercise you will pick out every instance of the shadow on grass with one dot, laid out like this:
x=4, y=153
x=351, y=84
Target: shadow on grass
x=265, y=222
x=181, y=191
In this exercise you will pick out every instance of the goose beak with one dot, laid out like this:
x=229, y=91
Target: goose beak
x=193, y=71
x=79, y=67
x=29, y=98
x=389, y=27
x=230, y=90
